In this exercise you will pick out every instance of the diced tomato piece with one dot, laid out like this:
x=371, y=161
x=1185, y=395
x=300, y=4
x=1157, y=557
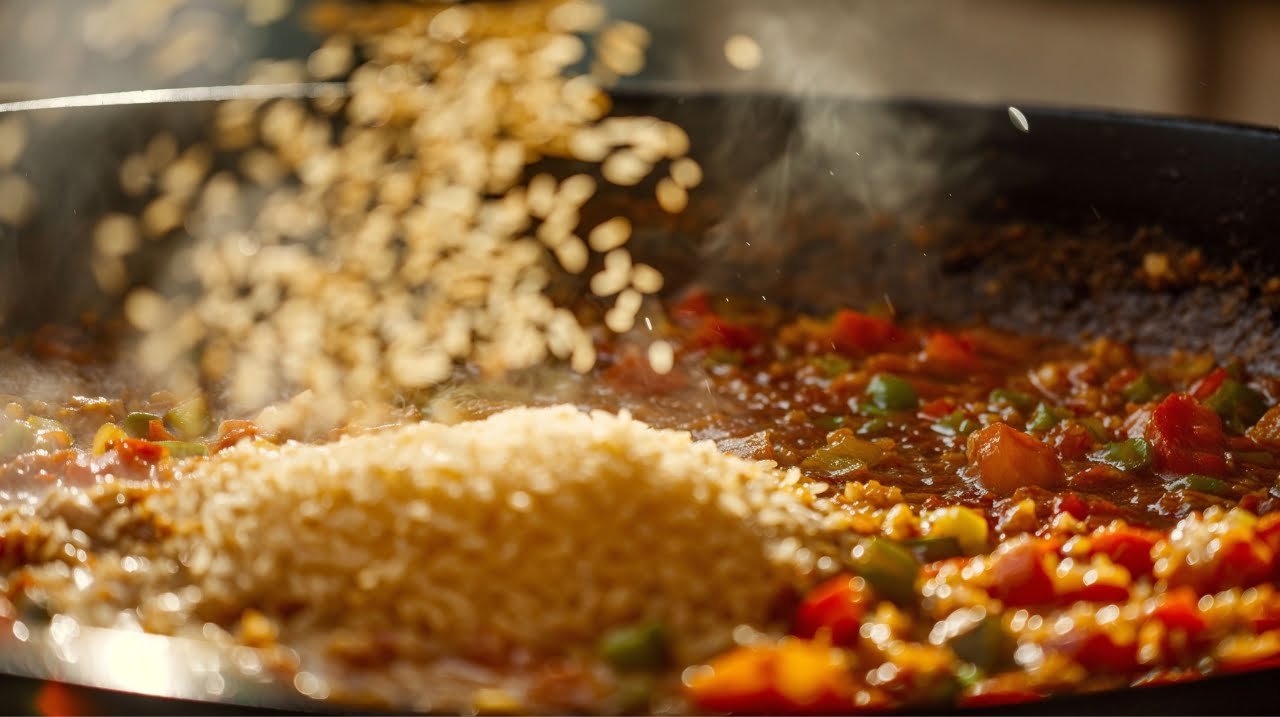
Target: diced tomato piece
x=232, y=431
x=1120, y=379
x=716, y=332
x=1096, y=650
x=157, y=432
x=133, y=450
x=836, y=607
x=1187, y=437
x=1177, y=610
x=1268, y=531
x=1266, y=432
x=1244, y=562
x=1211, y=382
x=1072, y=503
x=1006, y=459
x=792, y=677
x=951, y=353
x=1019, y=575
x=1126, y=546
x=1268, y=619
x=937, y=408
x=1071, y=440
x=856, y=333
x=691, y=309
x=632, y=373
x=998, y=697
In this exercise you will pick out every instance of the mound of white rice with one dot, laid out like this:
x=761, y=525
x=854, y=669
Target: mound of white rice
x=538, y=528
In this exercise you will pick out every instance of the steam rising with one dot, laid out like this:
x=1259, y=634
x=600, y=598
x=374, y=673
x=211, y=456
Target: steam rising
x=844, y=159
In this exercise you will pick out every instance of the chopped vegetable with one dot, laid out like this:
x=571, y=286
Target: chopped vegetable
x=190, y=420
x=1202, y=483
x=855, y=333
x=791, y=677
x=843, y=455
x=1177, y=610
x=891, y=393
x=636, y=647
x=1046, y=417
x=1017, y=399
x=965, y=525
x=1005, y=459
x=137, y=424
x=937, y=408
x=831, y=365
x=956, y=423
x=1126, y=546
x=1020, y=575
x=1259, y=458
x=18, y=437
x=1205, y=387
x=108, y=434
x=715, y=332
x=1239, y=406
x=983, y=643
x=1144, y=389
x=1266, y=431
x=889, y=568
x=834, y=608
x=873, y=426
x=929, y=550
x=829, y=423
x=184, y=449
x=1130, y=455
x=951, y=353
x=1095, y=427
x=1186, y=437
x=719, y=356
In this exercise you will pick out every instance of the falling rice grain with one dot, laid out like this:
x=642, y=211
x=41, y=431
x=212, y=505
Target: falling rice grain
x=572, y=255
x=686, y=172
x=1019, y=120
x=610, y=235
x=265, y=12
x=646, y=279
x=671, y=196
x=743, y=52
x=116, y=235
x=625, y=168
x=161, y=216
x=661, y=357
x=145, y=309
x=333, y=59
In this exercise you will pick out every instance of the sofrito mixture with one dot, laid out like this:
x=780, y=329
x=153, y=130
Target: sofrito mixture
x=1030, y=517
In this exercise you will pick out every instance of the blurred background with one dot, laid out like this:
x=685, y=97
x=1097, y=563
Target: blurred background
x=1216, y=60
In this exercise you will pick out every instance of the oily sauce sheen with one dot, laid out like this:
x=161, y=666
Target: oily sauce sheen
x=765, y=386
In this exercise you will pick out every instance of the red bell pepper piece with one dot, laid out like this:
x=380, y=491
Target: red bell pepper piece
x=1211, y=381
x=1126, y=546
x=951, y=353
x=856, y=333
x=1187, y=437
x=836, y=607
x=1019, y=576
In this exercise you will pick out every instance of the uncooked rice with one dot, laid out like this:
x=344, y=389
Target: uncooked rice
x=425, y=531
x=339, y=262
